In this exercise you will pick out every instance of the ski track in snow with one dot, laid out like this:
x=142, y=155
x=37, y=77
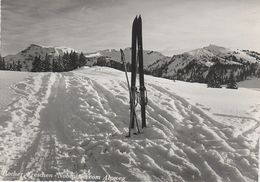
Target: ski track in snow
x=75, y=121
x=19, y=131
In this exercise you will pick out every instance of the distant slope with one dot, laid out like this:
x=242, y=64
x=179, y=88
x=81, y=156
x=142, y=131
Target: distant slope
x=195, y=65
x=112, y=55
x=253, y=83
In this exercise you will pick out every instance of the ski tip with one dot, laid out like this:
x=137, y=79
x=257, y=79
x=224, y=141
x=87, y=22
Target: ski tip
x=135, y=20
x=139, y=19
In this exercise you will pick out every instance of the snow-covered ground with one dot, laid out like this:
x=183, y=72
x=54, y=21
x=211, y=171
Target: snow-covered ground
x=8, y=78
x=73, y=125
x=253, y=83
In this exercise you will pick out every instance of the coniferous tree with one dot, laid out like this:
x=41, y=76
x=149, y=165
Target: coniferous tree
x=13, y=66
x=9, y=66
x=74, y=61
x=59, y=64
x=3, y=64
x=54, y=66
x=37, y=64
x=232, y=84
x=213, y=78
x=65, y=60
x=18, y=66
x=71, y=62
x=82, y=60
x=34, y=64
x=46, y=66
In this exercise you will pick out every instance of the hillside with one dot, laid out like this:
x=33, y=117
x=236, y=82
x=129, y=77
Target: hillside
x=195, y=66
x=26, y=57
x=110, y=56
x=72, y=125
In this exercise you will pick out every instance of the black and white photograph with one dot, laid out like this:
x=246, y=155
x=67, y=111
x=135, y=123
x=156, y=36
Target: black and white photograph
x=130, y=90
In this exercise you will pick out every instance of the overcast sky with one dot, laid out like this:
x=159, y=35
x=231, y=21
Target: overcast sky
x=169, y=26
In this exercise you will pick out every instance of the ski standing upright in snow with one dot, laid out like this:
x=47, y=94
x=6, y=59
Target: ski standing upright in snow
x=137, y=58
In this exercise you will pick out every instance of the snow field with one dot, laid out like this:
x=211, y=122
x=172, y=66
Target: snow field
x=193, y=134
x=198, y=132
x=7, y=78
x=20, y=129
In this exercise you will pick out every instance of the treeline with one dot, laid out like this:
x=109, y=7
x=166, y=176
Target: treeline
x=193, y=72
x=48, y=63
x=220, y=73
x=160, y=69
x=220, y=70
x=241, y=72
x=2, y=63
x=67, y=62
x=13, y=66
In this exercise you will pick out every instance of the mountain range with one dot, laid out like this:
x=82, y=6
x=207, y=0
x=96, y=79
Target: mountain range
x=193, y=66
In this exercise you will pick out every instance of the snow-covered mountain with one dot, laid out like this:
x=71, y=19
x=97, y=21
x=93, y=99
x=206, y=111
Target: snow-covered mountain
x=26, y=56
x=109, y=56
x=195, y=65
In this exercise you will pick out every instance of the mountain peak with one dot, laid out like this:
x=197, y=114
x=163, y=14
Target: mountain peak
x=215, y=49
x=214, y=46
x=36, y=46
x=33, y=46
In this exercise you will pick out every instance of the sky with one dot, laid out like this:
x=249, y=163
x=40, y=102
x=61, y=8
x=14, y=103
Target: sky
x=169, y=26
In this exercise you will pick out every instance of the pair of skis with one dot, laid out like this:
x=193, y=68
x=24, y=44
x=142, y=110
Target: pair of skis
x=137, y=58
